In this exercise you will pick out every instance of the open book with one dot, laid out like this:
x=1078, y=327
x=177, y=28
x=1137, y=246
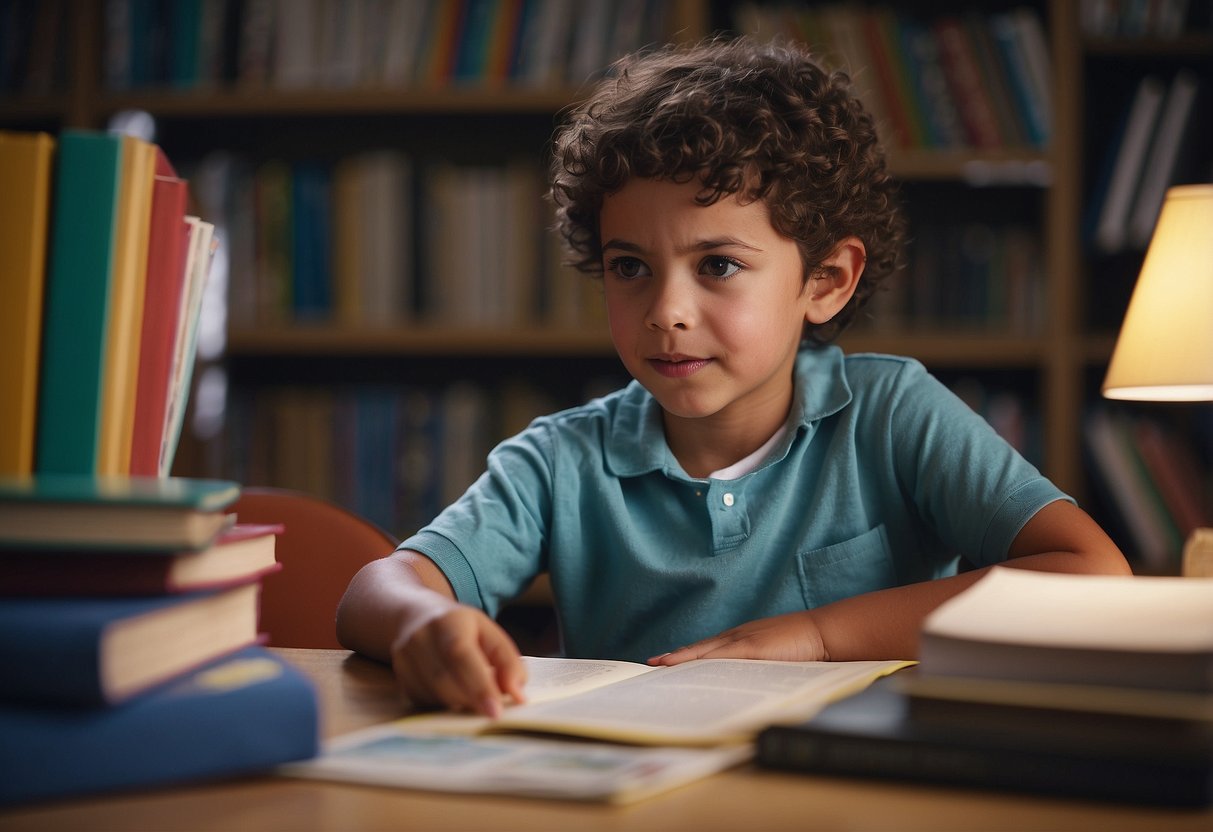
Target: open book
x=671, y=725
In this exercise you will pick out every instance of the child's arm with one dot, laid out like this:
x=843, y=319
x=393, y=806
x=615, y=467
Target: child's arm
x=885, y=624
x=402, y=610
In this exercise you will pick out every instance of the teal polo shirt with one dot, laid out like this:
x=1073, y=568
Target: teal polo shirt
x=884, y=478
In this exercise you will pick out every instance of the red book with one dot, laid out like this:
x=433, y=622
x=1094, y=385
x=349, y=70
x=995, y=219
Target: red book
x=240, y=555
x=964, y=78
x=166, y=255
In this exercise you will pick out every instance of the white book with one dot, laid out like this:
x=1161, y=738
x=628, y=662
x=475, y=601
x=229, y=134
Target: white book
x=185, y=350
x=1111, y=232
x=1057, y=628
x=1160, y=168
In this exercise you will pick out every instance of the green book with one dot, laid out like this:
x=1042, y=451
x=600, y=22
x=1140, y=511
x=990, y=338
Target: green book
x=83, y=230
x=67, y=511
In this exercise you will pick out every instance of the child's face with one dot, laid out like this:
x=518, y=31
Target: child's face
x=706, y=303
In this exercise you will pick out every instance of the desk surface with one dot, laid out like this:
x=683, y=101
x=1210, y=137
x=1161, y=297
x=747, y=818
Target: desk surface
x=355, y=693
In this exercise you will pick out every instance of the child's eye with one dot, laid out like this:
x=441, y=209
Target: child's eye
x=627, y=267
x=719, y=266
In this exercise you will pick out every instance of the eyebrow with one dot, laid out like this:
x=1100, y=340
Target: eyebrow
x=701, y=245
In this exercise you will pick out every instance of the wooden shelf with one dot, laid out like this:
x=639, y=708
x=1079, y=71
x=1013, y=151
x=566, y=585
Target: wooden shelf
x=416, y=340
x=326, y=103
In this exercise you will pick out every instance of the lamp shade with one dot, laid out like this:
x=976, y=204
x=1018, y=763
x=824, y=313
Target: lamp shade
x=1165, y=348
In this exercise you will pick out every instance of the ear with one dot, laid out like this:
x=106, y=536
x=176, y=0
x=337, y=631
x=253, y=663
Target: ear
x=833, y=286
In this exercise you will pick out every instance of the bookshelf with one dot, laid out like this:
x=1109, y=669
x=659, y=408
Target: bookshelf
x=1051, y=363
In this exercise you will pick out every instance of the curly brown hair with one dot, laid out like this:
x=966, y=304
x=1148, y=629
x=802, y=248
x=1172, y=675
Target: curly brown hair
x=739, y=115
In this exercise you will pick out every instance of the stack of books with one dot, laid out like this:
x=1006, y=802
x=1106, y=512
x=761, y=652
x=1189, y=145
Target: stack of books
x=129, y=637
x=99, y=306
x=1079, y=685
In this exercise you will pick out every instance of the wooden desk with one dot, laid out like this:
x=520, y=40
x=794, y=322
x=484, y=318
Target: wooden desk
x=355, y=693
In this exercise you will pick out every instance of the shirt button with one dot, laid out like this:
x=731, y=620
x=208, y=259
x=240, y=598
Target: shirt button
x=728, y=499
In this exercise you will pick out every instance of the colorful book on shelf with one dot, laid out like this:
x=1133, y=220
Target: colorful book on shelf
x=963, y=74
x=168, y=239
x=883, y=732
x=240, y=554
x=1121, y=471
x=995, y=79
x=1127, y=158
x=125, y=328
x=941, y=118
x=104, y=650
x=242, y=714
x=1031, y=104
x=1123, y=631
x=75, y=511
x=76, y=308
x=1174, y=469
x=1174, y=129
x=26, y=161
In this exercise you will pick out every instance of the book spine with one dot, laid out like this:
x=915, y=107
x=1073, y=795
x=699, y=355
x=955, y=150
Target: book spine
x=1112, y=228
x=77, y=303
x=25, y=184
x=964, y=79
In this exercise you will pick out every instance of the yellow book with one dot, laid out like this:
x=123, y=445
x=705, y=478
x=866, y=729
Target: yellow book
x=25, y=186
x=121, y=368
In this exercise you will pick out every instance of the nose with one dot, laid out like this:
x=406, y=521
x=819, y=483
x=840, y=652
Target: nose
x=671, y=306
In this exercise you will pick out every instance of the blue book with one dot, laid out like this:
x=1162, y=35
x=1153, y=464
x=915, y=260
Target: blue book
x=99, y=651
x=243, y=714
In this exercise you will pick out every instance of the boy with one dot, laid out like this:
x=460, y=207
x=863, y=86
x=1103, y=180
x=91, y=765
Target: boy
x=754, y=493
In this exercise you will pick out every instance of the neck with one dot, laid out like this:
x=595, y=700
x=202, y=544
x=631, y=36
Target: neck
x=707, y=444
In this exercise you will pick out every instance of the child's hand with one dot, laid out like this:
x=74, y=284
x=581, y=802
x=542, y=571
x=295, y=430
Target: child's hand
x=793, y=637
x=458, y=657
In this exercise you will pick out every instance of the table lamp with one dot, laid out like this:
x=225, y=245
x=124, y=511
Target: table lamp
x=1164, y=352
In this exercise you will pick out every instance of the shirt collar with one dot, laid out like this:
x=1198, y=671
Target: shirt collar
x=636, y=440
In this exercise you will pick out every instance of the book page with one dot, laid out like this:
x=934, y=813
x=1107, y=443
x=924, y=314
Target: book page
x=698, y=703
x=398, y=754
x=554, y=678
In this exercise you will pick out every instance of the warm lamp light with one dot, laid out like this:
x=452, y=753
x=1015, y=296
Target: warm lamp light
x=1165, y=349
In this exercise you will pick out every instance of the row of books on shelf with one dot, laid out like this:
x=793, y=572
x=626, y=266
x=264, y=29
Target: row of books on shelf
x=103, y=276
x=1152, y=147
x=32, y=58
x=1143, y=18
x=967, y=80
x=396, y=455
x=343, y=44
x=374, y=239
x=966, y=274
x=1089, y=686
x=1154, y=483
x=129, y=631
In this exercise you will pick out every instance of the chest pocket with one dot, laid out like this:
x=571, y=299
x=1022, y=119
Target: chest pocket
x=861, y=564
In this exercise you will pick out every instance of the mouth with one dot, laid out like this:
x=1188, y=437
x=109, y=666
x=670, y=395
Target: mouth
x=677, y=366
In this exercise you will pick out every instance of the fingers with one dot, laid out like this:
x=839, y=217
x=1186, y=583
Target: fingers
x=698, y=650
x=460, y=659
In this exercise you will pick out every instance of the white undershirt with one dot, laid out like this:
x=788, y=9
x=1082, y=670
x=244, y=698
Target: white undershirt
x=751, y=461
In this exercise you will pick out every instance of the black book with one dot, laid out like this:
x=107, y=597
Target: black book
x=883, y=732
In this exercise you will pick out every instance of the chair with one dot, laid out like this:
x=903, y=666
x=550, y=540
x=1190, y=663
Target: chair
x=323, y=545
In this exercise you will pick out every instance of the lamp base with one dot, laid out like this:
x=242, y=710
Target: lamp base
x=1198, y=554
